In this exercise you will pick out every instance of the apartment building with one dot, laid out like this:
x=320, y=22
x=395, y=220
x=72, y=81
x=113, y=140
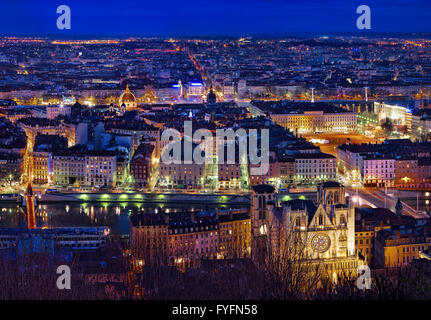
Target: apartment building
x=378, y=171
x=184, y=239
x=100, y=169
x=315, y=167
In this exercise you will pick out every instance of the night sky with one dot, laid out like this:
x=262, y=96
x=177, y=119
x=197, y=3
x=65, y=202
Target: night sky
x=210, y=18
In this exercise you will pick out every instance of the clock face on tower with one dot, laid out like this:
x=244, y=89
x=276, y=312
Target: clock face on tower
x=320, y=243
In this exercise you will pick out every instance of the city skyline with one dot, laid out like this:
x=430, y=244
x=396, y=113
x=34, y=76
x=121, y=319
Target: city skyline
x=215, y=150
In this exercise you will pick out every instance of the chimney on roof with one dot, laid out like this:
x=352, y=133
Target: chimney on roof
x=398, y=234
x=192, y=216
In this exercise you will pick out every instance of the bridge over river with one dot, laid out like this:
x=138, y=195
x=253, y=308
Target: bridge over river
x=380, y=199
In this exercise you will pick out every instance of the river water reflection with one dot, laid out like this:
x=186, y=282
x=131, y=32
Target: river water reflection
x=114, y=215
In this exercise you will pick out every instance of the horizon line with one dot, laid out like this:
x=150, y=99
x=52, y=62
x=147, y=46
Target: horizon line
x=187, y=36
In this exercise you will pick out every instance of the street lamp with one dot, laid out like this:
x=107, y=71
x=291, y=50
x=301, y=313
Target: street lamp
x=355, y=200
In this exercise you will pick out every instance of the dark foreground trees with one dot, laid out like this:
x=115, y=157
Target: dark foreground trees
x=34, y=276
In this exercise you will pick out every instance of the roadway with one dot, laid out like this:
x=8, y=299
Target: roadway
x=379, y=199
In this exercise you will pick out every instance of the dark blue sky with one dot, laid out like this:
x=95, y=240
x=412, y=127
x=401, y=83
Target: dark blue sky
x=222, y=17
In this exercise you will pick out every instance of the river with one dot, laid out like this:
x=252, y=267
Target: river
x=114, y=215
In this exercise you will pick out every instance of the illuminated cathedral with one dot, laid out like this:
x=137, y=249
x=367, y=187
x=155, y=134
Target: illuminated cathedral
x=325, y=227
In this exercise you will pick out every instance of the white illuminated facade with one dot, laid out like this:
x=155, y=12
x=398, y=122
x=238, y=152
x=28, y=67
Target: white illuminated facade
x=397, y=114
x=53, y=112
x=100, y=170
x=196, y=89
x=182, y=175
x=69, y=170
x=378, y=172
x=315, y=168
x=317, y=121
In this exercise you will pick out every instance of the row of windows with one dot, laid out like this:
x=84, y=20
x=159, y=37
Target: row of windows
x=80, y=245
x=315, y=161
x=315, y=170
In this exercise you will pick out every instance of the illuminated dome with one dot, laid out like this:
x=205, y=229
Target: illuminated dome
x=128, y=99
